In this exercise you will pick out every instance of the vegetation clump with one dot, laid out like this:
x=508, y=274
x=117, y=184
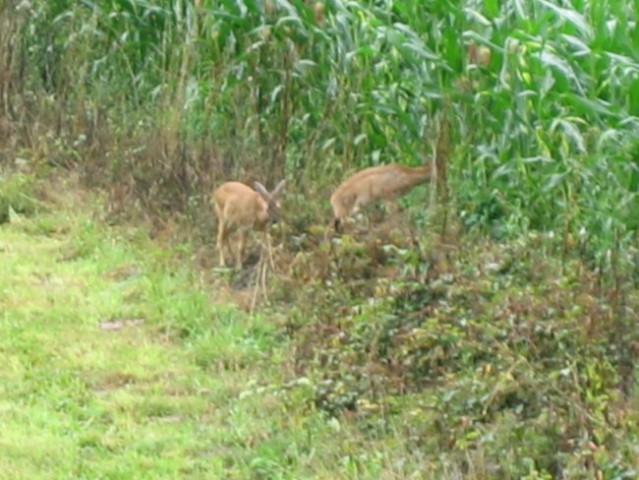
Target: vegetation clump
x=487, y=332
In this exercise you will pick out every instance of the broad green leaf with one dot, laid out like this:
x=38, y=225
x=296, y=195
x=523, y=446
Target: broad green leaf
x=294, y=22
x=580, y=48
x=290, y=9
x=559, y=63
x=275, y=93
x=13, y=215
x=420, y=51
x=588, y=106
x=571, y=16
x=555, y=180
x=478, y=17
x=519, y=9
x=571, y=131
x=623, y=60
x=491, y=7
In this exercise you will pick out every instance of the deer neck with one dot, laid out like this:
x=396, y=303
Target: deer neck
x=420, y=175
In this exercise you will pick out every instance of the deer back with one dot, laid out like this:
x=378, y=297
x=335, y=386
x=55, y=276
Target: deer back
x=376, y=183
x=239, y=205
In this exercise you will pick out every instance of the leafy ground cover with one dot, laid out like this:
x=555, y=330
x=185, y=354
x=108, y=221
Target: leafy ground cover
x=121, y=358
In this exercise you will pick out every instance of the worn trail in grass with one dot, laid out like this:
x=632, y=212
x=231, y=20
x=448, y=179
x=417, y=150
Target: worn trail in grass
x=114, y=363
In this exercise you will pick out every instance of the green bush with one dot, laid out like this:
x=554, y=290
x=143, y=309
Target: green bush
x=16, y=196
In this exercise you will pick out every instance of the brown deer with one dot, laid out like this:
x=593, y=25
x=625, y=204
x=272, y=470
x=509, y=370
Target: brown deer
x=239, y=209
x=385, y=183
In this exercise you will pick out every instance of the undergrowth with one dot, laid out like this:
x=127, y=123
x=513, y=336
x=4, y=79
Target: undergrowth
x=482, y=359
x=384, y=353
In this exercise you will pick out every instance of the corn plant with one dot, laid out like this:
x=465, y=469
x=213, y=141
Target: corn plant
x=542, y=119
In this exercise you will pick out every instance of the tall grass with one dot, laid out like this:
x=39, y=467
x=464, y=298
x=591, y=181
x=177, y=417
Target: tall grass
x=170, y=97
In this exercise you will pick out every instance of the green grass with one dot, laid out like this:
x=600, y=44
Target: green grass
x=157, y=398
x=121, y=359
x=118, y=361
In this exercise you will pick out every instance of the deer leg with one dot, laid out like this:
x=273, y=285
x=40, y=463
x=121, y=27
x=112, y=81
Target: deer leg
x=358, y=217
x=221, y=240
x=267, y=237
x=392, y=209
x=229, y=245
x=241, y=245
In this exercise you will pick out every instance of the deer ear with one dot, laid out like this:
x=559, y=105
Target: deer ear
x=279, y=189
x=259, y=188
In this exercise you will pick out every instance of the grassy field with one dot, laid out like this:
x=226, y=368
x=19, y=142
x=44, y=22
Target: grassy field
x=114, y=364
x=121, y=358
